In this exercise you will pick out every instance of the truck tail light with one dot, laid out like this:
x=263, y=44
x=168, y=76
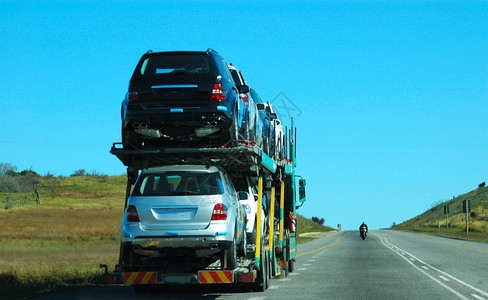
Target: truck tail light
x=220, y=212
x=132, y=95
x=132, y=215
x=217, y=93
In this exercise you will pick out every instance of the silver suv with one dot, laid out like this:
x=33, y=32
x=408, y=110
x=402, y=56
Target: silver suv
x=185, y=211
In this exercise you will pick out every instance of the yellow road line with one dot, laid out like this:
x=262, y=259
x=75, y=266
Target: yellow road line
x=459, y=246
x=319, y=248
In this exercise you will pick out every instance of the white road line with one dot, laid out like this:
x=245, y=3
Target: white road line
x=427, y=274
x=293, y=274
x=307, y=264
x=412, y=259
x=442, y=272
x=477, y=297
x=274, y=287
x=256, y=298
x=443, y=278
x=302, y=269
x=311, y=260
x=425, y=267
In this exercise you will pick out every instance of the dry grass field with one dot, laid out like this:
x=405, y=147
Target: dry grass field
x=61, y=242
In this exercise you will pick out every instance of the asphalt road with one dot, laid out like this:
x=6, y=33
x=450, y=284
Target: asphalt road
x=387, y=265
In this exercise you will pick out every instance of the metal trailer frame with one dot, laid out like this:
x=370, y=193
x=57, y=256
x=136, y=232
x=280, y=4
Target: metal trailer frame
x=275, y=252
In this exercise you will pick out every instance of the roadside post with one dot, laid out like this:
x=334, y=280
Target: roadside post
x=467, y=210
x=446, y=212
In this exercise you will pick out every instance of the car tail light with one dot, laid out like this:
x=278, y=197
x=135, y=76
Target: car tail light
x=217, y=93
x=132, y=215
x=133, y=95
x=245, y=99
x=219, y=212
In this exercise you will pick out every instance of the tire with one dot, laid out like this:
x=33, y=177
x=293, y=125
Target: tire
x=246, y=132
x=268, y=269
x=262, y=283
x=130, y=139
x=231, y=256
x=234, y=131
x=251, y=237
x=229, y=135
x=243, y=251
x=254, y=136
x=128, y=256
x=291, y=265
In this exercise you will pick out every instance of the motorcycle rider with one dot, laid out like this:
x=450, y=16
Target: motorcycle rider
x=363, y=226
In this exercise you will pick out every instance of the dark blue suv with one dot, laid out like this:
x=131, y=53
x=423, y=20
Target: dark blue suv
x=182, y=99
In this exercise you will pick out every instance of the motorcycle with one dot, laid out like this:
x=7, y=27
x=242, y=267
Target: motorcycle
x=363, y=233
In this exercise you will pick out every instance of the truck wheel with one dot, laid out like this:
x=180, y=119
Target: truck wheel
x=231, y=256
x=268, y=269
x=291, y=265
x=262, y=281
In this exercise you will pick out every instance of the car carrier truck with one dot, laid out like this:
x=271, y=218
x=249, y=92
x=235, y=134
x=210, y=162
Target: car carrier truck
x=271, y=251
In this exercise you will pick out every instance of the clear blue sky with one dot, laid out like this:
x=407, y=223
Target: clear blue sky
x=392, y=95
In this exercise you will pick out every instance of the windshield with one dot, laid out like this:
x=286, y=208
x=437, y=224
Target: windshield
x=179, y=183
x=175, y=64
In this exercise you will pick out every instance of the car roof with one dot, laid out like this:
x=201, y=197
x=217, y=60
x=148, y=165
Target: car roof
x=198, y=168
x=150, y=52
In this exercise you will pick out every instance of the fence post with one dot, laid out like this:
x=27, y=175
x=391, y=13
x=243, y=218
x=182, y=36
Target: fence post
x=38, y=200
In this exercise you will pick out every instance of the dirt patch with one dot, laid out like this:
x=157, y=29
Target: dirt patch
x=313, y=234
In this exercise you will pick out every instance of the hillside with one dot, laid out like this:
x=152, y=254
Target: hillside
x=478, y=218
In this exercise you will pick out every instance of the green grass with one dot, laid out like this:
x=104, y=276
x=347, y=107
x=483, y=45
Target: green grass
x=60, y=243
x=305, y=225
x=428, y=222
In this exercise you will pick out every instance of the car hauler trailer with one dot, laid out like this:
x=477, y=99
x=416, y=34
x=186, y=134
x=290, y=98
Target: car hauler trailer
x=272, y=252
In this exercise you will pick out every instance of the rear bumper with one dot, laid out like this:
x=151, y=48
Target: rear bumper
x=216, y=233
x=178, y=122
x=208, y=242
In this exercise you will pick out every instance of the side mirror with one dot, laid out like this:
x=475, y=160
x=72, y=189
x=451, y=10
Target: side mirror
x=242, y=196
x=301, y=194
x=243, y=89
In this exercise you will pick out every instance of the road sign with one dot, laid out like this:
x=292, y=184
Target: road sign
x=466, y=206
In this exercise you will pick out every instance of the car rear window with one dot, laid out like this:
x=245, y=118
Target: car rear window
x=175, y=64
x=178, y=184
